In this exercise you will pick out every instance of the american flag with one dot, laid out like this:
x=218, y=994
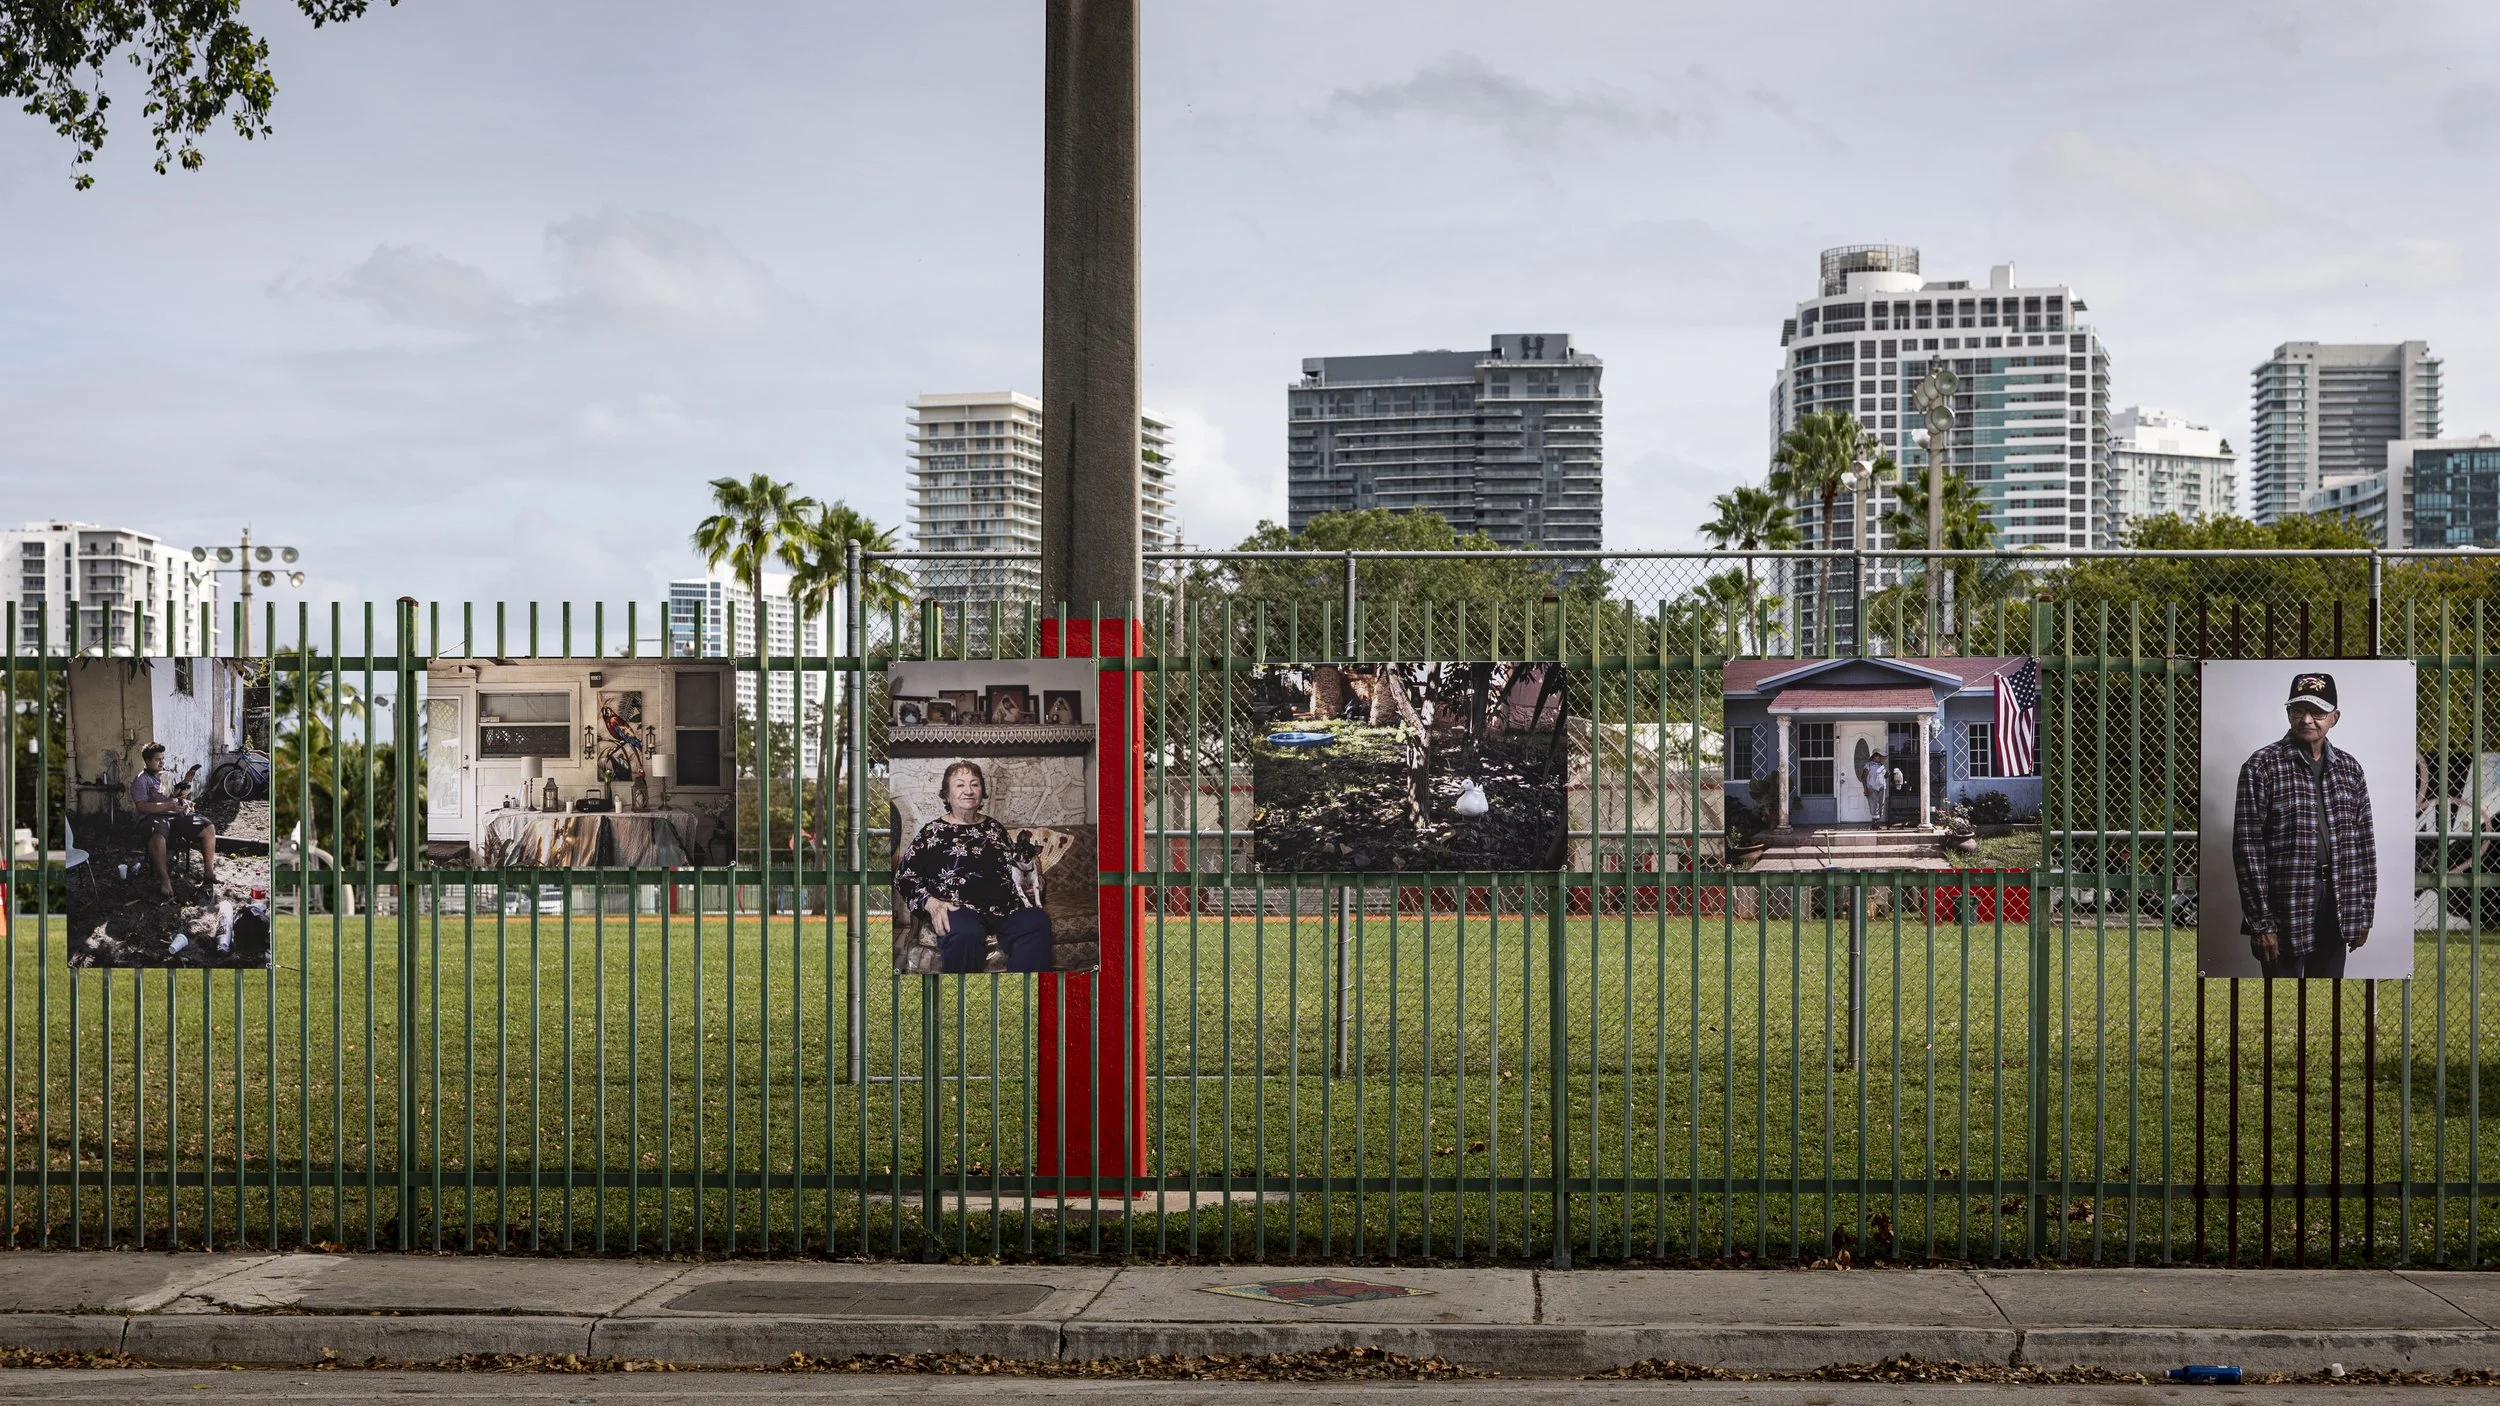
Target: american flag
x=2018, y=721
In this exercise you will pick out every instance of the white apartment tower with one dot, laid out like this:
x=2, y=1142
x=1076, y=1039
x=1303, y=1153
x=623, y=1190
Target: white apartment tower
x=2324, y=410
x=2163, y=464
x=976, y=486
x=2031, y=428
x=132, y=592
x=702, y=624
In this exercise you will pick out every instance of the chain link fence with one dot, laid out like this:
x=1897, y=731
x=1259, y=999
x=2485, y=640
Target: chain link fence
x=1666, y=1052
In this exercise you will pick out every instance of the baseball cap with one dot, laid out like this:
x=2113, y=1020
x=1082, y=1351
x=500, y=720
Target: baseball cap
x=2316, y=690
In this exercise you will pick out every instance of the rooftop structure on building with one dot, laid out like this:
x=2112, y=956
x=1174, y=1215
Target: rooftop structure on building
x=2031, y=426
x=131, y=592
x=2427, y=493
x=1508, y=441
x=2165, y=465
x=976, y=487
x=713, y=617
x=2327, y=410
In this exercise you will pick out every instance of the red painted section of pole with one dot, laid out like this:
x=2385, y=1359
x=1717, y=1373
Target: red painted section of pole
x=1099, y=1056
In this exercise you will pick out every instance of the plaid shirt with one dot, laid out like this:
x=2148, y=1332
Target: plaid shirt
x=2274, y=845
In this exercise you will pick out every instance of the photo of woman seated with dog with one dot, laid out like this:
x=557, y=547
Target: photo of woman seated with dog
x=974, y=882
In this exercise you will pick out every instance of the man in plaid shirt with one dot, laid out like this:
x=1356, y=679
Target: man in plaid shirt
x=2301, y=843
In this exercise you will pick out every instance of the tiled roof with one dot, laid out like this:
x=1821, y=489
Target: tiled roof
x=1743, y=675
x=1855, y=700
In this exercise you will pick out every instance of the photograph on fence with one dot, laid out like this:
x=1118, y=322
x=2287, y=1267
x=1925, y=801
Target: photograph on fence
x=993, y=818
x=1409, y=768
x=2311, y=790
x=580, y=763
x=1883, y=763
x=167, y=813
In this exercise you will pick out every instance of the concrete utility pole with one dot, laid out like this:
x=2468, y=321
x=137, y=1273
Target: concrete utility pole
x=1092, y=539
x=1092, y=1079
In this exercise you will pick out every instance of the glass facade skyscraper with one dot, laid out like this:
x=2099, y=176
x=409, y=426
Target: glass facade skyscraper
x=1509, y=441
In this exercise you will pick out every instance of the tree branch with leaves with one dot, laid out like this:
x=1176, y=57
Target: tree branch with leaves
x=201, y=63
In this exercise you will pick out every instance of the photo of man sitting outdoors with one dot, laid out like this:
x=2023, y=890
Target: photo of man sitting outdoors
x=171, y=819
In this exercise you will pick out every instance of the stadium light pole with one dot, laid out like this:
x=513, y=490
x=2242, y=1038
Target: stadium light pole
x=270, y=566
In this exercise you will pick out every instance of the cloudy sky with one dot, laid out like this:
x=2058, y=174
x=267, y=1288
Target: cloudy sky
x=513, y=280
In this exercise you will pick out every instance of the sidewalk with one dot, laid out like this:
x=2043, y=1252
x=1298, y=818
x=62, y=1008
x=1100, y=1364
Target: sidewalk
x=296, y=1308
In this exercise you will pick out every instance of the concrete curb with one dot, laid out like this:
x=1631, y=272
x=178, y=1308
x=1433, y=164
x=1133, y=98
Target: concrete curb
x=750, y=1341
x=1551, y=1348
x=62, y=1332
x=203, y=1337
x=2260, y=1349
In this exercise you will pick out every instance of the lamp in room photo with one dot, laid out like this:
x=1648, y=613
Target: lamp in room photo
x=531, y=771
x=659, y=778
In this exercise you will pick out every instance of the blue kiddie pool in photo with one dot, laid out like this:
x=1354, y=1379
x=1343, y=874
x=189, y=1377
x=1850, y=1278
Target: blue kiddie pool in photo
x=1301, y=739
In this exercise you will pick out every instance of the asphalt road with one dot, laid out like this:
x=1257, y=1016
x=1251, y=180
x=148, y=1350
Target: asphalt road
x=298, y=1388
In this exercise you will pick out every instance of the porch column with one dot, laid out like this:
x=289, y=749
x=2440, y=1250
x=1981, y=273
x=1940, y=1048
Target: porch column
x=1779, y=807
x=1926, y=729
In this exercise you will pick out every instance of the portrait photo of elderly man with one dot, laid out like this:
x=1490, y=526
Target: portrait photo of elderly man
x=2297, y=882
x=2301, y=842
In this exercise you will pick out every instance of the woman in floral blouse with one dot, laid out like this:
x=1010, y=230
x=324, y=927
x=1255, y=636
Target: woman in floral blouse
x=960, y=872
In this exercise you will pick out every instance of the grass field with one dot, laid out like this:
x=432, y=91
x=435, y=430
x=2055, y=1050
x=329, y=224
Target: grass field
x=572, y=1077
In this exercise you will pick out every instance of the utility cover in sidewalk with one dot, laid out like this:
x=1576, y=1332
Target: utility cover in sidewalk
x=1316, y=1293
x=862, y=1298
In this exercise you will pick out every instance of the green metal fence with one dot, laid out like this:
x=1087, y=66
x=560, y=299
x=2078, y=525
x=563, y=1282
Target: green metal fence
x=1648, y=1057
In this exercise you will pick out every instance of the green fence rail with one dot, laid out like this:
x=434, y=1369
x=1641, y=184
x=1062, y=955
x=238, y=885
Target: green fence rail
x=1650, y=1056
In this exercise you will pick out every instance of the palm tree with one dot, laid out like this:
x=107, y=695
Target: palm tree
x=825, y=536
x=1814, y=461
x=1751, y=520
x=755, y=522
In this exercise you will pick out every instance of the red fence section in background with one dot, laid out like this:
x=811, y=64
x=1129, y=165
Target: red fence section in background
x=1984, y=898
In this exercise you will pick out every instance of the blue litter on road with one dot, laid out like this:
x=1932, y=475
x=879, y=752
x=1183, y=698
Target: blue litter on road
x=2206, y=1376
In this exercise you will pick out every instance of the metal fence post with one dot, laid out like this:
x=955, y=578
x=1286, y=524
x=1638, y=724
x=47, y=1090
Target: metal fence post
x=1343, y=960
x=2378, y=599
x=2037, y=1191
x=855, y=849
x=403, y=723
x=1857, y=975
x=1558, y=1062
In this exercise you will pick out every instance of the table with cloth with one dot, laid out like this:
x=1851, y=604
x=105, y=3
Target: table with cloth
x=642, y=839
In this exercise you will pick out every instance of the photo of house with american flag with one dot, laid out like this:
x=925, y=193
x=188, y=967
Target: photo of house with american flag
x=1882, y=760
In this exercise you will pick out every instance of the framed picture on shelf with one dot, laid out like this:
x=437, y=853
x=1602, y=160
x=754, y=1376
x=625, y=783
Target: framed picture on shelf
x=910, y=711
x=1009, y=705
x=939, y=712
x=1063, y=707
x=964, y=703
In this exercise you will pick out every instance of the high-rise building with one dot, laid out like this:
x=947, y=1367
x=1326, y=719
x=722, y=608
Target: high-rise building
x=702, y=623
x=976, y=486
x=2428, y=493
x=2031, y=427
x=1509, y=441
x=133, y=592
x=2324, y=410
x=2163, y=464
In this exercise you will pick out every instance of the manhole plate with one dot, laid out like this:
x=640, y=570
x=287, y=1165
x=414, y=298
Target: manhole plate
x=1316, y=1293
x=836, y=1298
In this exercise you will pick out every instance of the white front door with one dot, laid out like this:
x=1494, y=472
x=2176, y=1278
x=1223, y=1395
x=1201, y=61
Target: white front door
x=1852, y=744
x=447, y=782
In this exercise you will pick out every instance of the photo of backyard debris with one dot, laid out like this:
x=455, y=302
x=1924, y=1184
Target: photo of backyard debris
x=1409, y=768
x=166, y=823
